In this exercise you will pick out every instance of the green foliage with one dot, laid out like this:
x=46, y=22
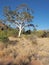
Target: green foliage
x=4, y=39
x=12, y=32
x=21, y=13
x=22, y=17
x=3, y=36
x=41, y=33
x=27, y=32
x=6, y=33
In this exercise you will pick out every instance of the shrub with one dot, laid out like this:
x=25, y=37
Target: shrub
x=12, y=32
x=3, y=36
x=39, y=33
x=27, y=32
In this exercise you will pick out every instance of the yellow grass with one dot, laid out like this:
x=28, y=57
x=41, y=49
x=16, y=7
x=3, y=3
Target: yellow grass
x=23, y=49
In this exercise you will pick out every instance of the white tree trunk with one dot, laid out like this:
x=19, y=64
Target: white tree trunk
x=19, y=31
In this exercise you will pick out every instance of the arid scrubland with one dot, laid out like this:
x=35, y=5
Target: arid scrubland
x=25, y=51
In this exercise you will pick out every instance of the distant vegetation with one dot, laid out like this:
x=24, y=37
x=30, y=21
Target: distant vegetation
x=21, y=17
x=4, y=34
x=42, y=33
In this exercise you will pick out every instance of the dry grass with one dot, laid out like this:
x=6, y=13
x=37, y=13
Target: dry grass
x=23, y=51
x=43, y=50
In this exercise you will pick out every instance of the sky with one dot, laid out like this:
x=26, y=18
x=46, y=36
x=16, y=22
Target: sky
x=40, y=8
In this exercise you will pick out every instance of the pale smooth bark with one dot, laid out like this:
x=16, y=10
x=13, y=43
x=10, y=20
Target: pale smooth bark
x=20, y=30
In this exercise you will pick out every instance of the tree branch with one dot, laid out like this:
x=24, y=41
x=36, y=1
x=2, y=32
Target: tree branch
x=28, y=25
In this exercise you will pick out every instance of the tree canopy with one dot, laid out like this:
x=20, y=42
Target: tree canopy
x=22, y=16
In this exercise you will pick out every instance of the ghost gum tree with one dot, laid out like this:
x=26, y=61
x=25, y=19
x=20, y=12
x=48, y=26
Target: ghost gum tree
x=21, y=17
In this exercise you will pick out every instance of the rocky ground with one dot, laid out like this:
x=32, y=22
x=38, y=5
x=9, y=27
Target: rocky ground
x=22, y=51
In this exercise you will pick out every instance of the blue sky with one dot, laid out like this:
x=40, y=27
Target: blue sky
x=40, y=7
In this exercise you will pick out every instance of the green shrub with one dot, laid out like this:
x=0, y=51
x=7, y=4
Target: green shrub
x=12, y=32
x=4, y=39
x=39, y=33
x=3, y=36
x=6, y=33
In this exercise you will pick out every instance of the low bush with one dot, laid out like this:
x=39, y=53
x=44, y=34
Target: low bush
x=6, y=33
